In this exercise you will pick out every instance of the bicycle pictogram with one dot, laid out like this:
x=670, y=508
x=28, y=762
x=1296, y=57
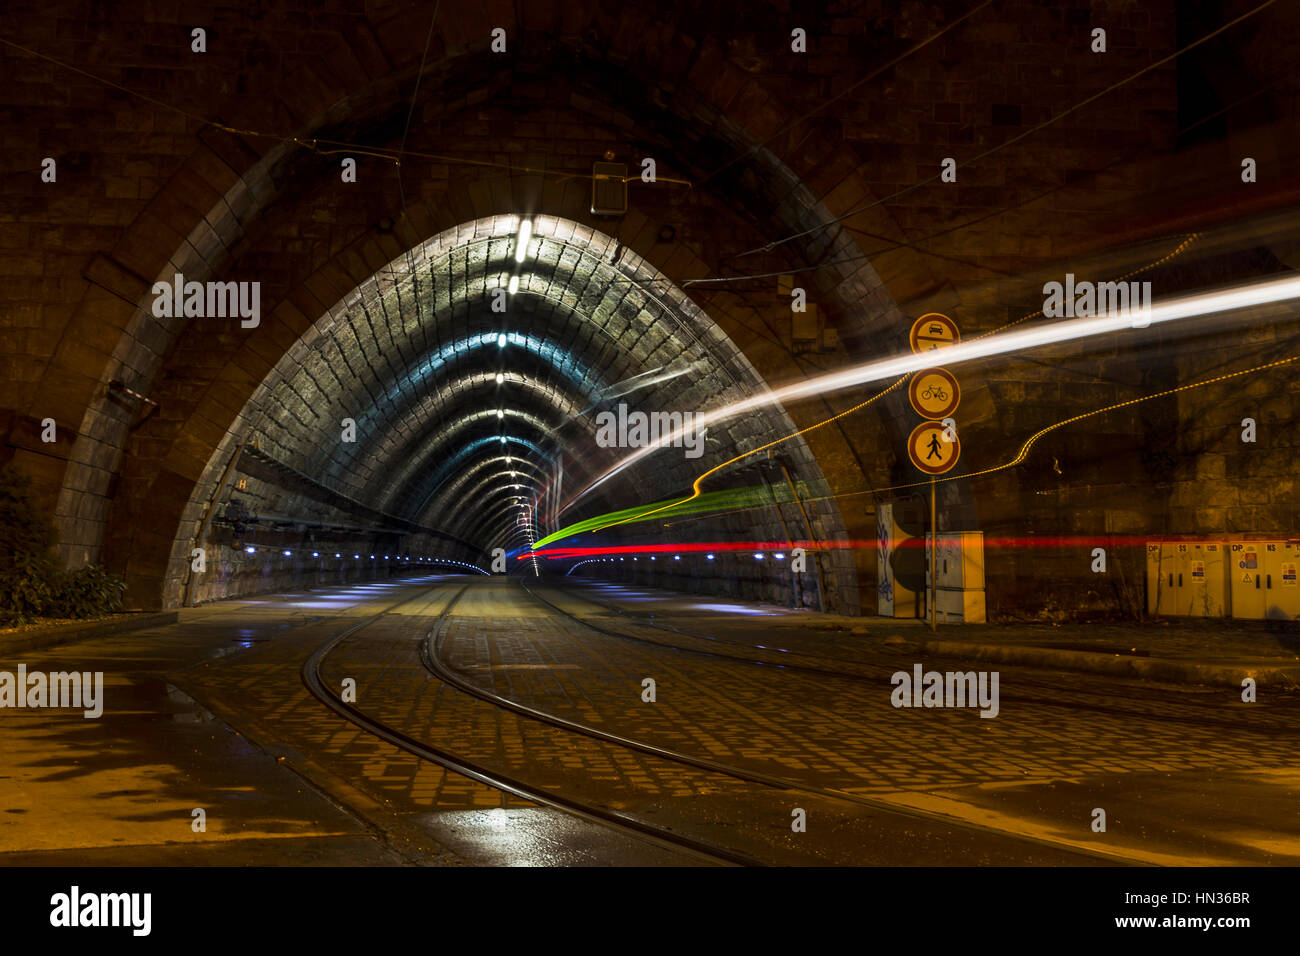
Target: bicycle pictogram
x=935, y=392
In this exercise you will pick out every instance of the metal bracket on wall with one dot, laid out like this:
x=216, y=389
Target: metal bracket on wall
x=128, y=398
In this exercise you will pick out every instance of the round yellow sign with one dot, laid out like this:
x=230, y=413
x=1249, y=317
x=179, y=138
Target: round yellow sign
x=933, y=449
x=934, y=393
x=933, y=331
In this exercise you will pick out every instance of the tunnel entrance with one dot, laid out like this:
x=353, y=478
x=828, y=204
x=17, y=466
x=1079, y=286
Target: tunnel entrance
x=449, y=409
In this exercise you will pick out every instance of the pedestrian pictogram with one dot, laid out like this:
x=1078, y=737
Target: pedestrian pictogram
x=934, y=393
x=930, y=451
x=933, y=331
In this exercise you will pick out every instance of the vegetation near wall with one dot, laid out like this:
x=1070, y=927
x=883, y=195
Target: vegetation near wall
x=32, y=584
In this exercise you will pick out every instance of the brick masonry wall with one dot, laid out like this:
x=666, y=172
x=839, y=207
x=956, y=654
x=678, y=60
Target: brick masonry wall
x=144, y=192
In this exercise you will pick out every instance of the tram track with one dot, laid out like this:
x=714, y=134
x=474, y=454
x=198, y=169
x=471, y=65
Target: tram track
x=475, y=770
x=1106, y=703
x=432, y=657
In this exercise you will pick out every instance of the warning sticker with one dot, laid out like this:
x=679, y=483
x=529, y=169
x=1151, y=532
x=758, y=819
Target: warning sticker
x=1250, y=559
x=1198, y=572
x=1245, y=578
x=1288, y=576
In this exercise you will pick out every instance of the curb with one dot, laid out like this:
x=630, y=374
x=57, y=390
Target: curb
x=66, y=633
x=1118, y=665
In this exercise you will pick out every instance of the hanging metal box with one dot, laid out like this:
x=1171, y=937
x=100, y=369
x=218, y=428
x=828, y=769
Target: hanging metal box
x=608, y=189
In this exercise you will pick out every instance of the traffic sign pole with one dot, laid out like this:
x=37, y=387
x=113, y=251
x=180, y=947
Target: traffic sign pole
x=934, y=552
x=934, y=395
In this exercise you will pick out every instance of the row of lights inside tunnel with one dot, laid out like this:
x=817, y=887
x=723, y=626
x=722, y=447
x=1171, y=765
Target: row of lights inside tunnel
x=288, y=553
x=525, y=518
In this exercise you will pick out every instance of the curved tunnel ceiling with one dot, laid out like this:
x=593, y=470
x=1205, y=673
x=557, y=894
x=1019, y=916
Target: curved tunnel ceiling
x=469, y=400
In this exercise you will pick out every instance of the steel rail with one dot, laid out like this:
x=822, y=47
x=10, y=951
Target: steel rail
x=443, y=672
x=458, y=764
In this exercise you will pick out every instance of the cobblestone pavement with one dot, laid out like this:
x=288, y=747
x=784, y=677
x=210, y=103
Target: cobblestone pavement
x=843, y=733
x=394, y=688
x=1203, y=640
x=799, y=644
x=435, y=811
x=1185, y=774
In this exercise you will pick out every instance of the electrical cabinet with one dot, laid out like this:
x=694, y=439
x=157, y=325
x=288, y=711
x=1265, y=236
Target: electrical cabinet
x=1187, y=578
x=959, y=576
x=1264, y=585
x=1280, y=571
x=608, y=189
x=1249, y=600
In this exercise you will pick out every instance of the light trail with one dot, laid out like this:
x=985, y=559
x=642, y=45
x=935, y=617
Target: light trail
x=859, y=544
x=708, y=502
x=627, y=516
x=1056, y=333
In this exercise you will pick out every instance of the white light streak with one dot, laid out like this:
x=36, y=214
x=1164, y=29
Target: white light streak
x=1055, y=333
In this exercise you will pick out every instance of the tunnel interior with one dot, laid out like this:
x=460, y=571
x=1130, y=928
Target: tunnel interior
x=654, y=433
x=776, y=218
x=456, y=393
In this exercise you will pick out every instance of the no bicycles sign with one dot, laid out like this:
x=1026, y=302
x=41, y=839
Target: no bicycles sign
x=934, y=393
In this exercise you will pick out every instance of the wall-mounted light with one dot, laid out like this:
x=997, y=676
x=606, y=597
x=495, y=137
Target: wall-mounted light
x=513, y=285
